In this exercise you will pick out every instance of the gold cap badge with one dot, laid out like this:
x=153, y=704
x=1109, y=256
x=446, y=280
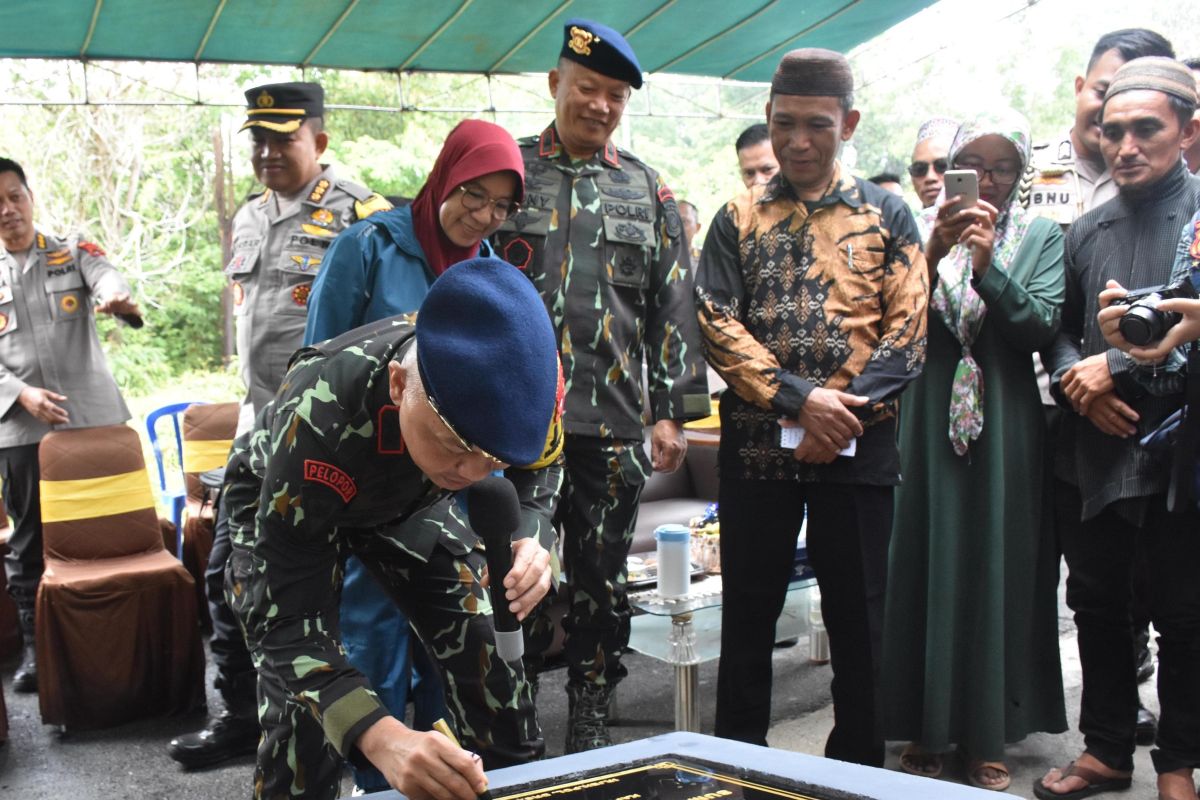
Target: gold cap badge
x=265, y=100
x=581, y=41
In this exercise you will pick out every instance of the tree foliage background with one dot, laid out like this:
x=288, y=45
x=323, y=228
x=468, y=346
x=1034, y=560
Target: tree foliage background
x=141, y=179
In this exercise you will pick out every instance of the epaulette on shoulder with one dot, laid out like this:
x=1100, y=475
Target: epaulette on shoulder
x=372, y=205
x=355, y=190
x=255, y=195
x=623, y=153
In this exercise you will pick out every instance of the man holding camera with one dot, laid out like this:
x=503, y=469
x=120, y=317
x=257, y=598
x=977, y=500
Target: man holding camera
x=1146, y=124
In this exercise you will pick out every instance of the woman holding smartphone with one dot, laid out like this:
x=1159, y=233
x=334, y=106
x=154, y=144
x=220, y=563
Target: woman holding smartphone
x=971, y=638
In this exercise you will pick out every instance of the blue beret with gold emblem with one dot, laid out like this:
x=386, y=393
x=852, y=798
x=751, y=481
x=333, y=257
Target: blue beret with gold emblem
x=600, y=48
x=488, y=358
x=283, y=107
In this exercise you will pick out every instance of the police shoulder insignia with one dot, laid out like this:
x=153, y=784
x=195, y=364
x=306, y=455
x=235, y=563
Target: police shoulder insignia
x=319, y=191
x=329, y=475
x=372, y=205
x=41, y=242
x=581, y=40
x=91, y=249
x=667, y=198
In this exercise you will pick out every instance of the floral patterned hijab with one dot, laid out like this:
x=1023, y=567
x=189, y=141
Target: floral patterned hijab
x=954, y=299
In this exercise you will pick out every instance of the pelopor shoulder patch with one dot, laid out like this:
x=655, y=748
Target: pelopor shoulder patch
x=331, y=476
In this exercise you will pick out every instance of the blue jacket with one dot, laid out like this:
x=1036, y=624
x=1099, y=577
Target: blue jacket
x=373, y=269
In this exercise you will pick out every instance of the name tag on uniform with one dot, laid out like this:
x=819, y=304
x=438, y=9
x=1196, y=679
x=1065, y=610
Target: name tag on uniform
x=1053, y=196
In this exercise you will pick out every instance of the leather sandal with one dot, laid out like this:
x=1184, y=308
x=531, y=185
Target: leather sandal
x=1096, y=783
x=974, y=777
x=917, y=761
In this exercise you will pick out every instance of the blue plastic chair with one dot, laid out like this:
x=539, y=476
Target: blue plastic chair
x=172, y=494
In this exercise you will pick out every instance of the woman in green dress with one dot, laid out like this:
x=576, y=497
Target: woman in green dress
x=970, y=639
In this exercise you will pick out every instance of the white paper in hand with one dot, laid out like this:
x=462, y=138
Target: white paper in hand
x=790, y=439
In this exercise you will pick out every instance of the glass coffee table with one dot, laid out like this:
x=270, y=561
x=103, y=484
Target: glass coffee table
x=686, y=632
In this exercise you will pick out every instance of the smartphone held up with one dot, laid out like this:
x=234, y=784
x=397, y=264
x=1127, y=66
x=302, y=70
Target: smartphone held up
x=962, y=183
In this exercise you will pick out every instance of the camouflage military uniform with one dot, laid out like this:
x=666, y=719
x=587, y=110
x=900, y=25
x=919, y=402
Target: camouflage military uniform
x=602, y=242
x=325, y=472
x=276, y=255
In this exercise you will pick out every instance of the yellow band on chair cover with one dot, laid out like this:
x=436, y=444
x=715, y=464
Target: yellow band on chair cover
x=64, y=501
x=201, y=455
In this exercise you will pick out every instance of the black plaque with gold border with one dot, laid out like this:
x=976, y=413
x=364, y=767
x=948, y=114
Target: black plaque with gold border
x=673, y=779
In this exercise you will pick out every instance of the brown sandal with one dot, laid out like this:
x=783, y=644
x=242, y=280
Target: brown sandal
x=917, y=761
x=974, y=777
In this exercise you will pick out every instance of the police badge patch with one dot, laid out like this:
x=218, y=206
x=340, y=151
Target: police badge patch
x=674, y=223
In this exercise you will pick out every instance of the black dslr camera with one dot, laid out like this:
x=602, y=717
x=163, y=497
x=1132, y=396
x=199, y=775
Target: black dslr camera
x=1142, y=322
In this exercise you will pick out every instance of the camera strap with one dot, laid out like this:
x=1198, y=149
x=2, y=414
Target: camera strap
x=1181, y=495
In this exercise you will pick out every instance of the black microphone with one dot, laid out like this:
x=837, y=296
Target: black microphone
x=495, y=514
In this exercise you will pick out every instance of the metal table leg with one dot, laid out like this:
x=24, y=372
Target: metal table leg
x=687, y=674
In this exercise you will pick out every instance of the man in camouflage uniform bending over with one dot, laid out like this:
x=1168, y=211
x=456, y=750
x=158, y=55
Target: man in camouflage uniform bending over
x=599, y=235
x=365, y=439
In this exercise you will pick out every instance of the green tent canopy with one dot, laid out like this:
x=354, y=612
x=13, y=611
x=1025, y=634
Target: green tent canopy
x=733, y=39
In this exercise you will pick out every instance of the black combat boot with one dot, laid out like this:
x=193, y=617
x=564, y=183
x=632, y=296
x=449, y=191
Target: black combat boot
x=25, y=678
x=587, y=717
x=232, y=733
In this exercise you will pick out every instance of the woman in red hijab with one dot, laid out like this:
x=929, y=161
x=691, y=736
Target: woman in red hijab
x=383, y=265
x=380, y=267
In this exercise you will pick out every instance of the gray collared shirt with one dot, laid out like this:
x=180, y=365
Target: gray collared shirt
x=48, y=336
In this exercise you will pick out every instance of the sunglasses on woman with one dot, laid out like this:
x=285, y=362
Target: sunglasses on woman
x=919, y=169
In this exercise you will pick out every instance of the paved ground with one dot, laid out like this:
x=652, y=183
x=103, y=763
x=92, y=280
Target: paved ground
x=130, y=761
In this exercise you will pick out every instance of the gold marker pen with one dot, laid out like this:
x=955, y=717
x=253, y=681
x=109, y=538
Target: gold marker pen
x=444, y=729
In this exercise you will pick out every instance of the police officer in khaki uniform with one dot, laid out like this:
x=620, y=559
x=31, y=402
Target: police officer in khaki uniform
x=52, y=372
x=1069, y=176
x=279, y=240
x=280, y=236
x=599, y=234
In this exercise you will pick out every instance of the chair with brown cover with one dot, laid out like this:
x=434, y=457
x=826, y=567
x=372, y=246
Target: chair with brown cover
x=208, y=430
x=117, y=637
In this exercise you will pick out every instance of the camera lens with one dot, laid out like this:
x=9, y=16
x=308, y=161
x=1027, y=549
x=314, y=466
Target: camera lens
x=1141, y=325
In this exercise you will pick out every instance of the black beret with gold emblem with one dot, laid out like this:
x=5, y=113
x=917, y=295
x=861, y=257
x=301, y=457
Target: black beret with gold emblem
x=600, y=48
x=282, y=107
